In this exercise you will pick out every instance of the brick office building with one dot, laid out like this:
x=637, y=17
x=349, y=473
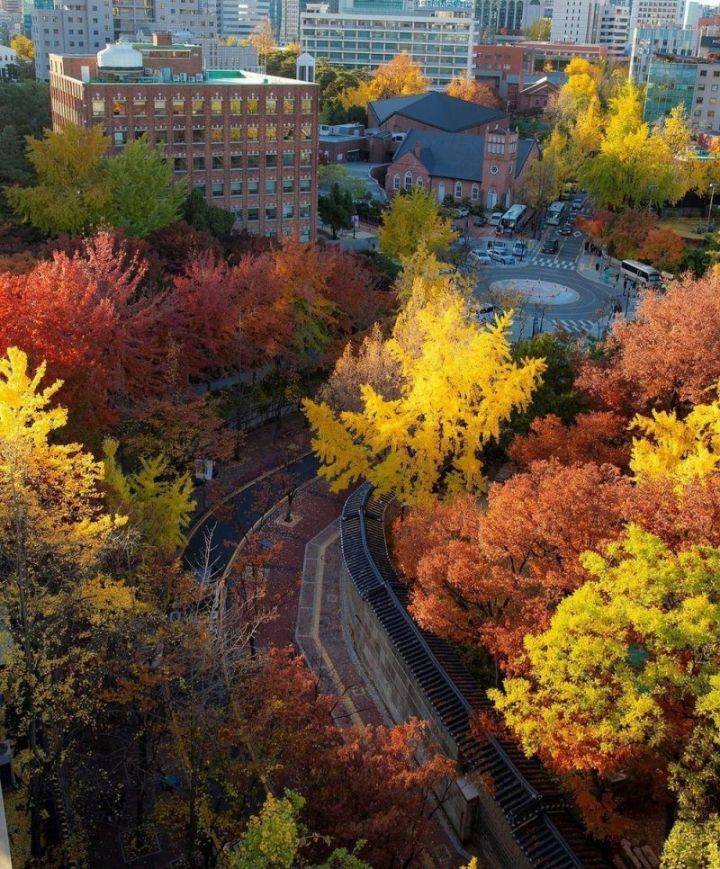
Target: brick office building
x=249, y=141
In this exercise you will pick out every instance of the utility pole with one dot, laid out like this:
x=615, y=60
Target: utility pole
x=712, y=194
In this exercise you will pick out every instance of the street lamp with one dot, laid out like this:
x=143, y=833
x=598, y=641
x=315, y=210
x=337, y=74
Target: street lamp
x=712, y=194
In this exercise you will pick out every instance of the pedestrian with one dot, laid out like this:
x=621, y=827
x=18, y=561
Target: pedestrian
x=597, y=267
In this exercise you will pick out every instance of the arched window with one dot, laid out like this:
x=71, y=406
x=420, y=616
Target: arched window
x=420, y=182
x=458, y=189
x=408, y=180
x=475, y=193
x=396, y=182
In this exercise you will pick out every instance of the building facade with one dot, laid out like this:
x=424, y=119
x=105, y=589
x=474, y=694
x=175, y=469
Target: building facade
x=248, y=141
x=614, y=28
x=440, y=41
x=656, y=12
x=485, y=170
x=575, y=21
x=77, y=27
x=8, y=59
x=665, y=40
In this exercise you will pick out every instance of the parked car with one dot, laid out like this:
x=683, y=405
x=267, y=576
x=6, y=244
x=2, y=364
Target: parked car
x=486, y=312
x=551, y=246
x=565, y=229
x=495, y=218
x=519, y=248
x=462, y=211
x=480, y=221
x=481, y=257
x=497, y=244
x=505, y=258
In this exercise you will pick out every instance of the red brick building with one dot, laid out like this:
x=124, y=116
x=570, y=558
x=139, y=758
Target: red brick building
x=248, y=141
x=435, y=112
x=486, y=170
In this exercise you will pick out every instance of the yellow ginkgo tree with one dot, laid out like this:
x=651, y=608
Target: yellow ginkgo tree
x=61, y=612
x=457, y=385
x=677, y=449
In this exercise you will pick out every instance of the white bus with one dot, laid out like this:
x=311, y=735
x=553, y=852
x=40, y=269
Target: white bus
x=514, y=217
x=639, y=273
x=555, y=213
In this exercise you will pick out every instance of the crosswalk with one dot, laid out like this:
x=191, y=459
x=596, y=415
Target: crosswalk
x=551, y=262
x=577, y=327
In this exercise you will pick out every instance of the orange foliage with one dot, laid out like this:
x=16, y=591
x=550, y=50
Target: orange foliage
x=17, y=263
x=662, y=248
x=359, y=784
x=491, y=575
x=600, y=437
x=473, y=91
x=669, y=356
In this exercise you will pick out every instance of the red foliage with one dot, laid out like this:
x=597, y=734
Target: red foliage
x=359, y=784
x=680, y=517
x=670, y=356
x=599, y=437
x=490, y=575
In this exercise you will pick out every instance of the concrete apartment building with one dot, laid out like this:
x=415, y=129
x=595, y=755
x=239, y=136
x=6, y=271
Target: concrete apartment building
x=70, y=27
x=248, y=141
x=439, y=40
x=664, y=39
x=614, y=28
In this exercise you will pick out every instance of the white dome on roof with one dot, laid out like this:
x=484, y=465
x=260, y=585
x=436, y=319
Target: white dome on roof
x=119, y=55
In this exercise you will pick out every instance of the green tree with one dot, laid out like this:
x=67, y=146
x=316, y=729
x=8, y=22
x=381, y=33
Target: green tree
x=143, y=194
x=336, y=173
x=336, y=209
x=539, y=31
x=413, y=220
x=199, y=213
x=72, y=192
x=693, y=845
x=25, y=111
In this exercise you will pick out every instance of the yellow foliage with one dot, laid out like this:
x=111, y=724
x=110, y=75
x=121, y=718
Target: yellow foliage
x=677, y=449
x=400, y=76
x=458, y=385
x=414, y=221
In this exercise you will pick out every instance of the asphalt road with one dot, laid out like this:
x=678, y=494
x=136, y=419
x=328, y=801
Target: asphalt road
x=226, y=529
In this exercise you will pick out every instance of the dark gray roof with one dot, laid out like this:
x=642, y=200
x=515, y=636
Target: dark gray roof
x=436, y=109
x=525, y=146
x=454, y=155
x=446, y=155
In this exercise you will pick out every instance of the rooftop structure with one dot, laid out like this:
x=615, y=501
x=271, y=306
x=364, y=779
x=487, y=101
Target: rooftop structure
x=247, y=140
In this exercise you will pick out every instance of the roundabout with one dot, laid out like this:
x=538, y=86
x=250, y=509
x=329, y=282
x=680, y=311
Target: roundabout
x=538, y=291
x=562, y=293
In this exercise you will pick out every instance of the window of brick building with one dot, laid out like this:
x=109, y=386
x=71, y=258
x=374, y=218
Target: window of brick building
x=270, y=131
x=253, y=105
x=306, y=105
x=288, y=132
x=288, y=158
x=253, y=186
x=304, y=210
x=118, y=107
x=270, y=186
x=179, y=137
x=288, y=185
x=161, y=137
x=253, y=214
x=252, y=133
x=198, y=136
x=271, y=161
x=253, y=161
x=218, y=189
x=289, y=105
x=216, y=135
x=198, y=107
x=180, y=164
x=198, y=163
x=270, y=104
x=235, y=106
x=236, y=188
x=304, y=185
x=178, y=107
x=235, y=134
x=236, y=161
x=306, y=132
x=160, y=108
x=216, y=107
x=288, y=211
x=270, y=212
x=98, y=108
x=218, y=161
x=140, y=107
x=306, y=158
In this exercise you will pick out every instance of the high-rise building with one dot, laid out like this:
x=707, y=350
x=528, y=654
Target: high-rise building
x=575, y=21
x=440, y=40
x=499, y=16
x=665, y=40
x=240, y=17
x=289, y=29
x=71, y=27
x=248, y=141
x=645, y=13
x=614, y=27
